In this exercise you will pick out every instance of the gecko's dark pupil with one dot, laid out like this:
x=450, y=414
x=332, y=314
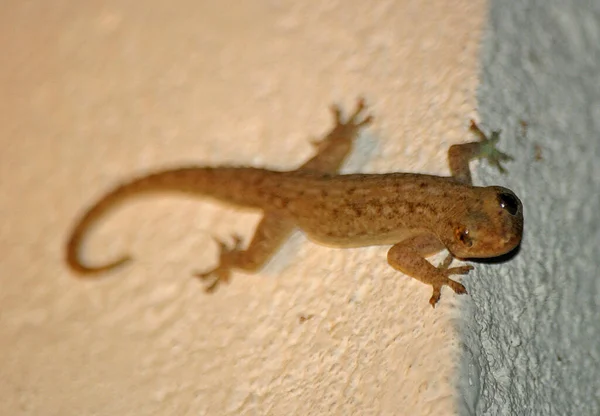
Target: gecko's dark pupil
x=509, y=203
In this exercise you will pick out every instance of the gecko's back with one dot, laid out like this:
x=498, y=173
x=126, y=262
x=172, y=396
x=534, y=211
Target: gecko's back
x=369, y=209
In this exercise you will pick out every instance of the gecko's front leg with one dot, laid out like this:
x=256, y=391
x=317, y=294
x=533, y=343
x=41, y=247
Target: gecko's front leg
x=459, y=155
x=409, y=257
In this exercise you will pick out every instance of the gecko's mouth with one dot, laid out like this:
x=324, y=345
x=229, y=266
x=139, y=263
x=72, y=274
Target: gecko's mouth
x=510, y=245
x=495, y=259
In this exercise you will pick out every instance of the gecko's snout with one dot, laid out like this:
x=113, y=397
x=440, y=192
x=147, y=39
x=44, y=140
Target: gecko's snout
x=505, y=228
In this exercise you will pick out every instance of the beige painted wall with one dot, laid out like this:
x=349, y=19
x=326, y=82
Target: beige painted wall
x=96, y=92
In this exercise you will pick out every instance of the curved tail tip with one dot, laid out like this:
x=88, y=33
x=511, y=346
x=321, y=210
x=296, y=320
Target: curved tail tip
x=82, y=269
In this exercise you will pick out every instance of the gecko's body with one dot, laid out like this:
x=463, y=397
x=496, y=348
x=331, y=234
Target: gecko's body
x=419, y=215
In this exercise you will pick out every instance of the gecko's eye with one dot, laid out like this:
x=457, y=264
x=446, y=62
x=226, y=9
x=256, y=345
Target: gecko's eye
x=462, y=234
x=509, y=203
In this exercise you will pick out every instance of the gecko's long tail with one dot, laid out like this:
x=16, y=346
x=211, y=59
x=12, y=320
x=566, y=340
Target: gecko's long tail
x=226, y=184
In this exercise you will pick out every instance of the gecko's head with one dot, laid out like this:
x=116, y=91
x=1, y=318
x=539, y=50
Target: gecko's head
x=491, y=228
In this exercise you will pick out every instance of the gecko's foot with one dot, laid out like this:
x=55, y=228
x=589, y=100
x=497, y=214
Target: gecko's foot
x=452, y=284
x=488, y=148
x=355, y=119
x=346, y=129
x=458, y=288
x=214, y=278
x=221, y=273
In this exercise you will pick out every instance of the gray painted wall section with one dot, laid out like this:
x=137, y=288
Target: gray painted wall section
x=532, y=329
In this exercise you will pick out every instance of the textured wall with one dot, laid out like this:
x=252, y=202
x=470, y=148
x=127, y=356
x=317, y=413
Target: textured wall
x=532, y=332
x=95, y=92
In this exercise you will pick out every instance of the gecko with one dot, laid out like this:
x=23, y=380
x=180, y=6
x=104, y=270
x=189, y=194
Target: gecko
x=419, y=215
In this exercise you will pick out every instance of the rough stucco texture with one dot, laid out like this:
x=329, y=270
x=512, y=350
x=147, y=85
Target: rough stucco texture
x=96, y=92
x=532, y=332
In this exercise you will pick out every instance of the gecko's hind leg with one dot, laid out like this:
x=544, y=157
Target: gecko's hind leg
x=270, y=234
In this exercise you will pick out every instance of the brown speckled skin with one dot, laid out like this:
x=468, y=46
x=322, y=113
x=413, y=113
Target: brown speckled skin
x=418, y=215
